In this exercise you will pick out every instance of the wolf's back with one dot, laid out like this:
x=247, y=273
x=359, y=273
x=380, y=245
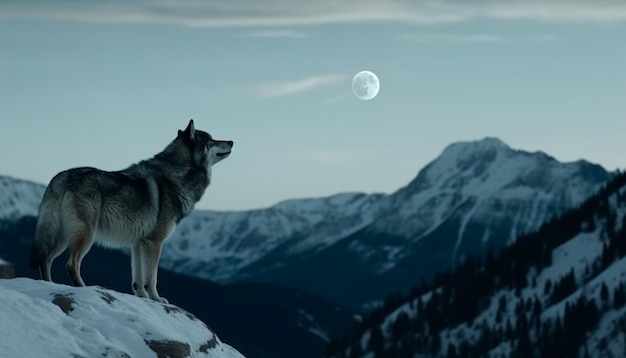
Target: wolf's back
x=48, y=231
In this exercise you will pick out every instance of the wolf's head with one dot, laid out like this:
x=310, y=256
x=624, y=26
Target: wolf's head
x=205, y=150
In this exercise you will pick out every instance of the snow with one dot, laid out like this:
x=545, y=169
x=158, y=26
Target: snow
x=409, y=308
x=100, y=322
x=577, y=253
x=487, y=171
x=19, y=198
x=307, y=321
x=609, y=331
x=217, y=245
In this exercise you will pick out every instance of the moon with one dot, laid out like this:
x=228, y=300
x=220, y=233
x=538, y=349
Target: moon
x=365, y=85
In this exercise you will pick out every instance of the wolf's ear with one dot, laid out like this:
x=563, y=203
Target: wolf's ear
x=190, y=131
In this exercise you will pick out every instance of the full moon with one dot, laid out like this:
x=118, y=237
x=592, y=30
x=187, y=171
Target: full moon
x=365, y=85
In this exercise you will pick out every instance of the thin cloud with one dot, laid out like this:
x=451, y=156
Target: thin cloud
x=276, y=34
x=425, y=38
x=286, y=88
x=541, y=38
x=476, y=38
x=305, y=12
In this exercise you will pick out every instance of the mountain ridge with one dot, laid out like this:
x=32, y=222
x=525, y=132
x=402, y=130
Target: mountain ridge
x=472, y=191
x=453, y=208
x=558, y=291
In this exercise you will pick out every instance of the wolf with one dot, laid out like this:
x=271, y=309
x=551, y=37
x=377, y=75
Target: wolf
x=137, y=207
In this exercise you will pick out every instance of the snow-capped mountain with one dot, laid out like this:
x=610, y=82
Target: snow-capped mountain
x=355, y=247
x=559, y=291
x=19, y=198
x=218, y=245
x=485, y=179
x=43, y=319
x=476, y=195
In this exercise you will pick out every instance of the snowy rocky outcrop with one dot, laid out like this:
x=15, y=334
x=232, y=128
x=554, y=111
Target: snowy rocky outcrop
x=43, y=319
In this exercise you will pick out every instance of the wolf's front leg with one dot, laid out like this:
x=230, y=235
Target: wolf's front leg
x=137, y=254
x=151, y=266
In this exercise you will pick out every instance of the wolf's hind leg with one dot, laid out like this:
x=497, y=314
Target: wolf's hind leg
x=45, y=267
x=137, y=257
x=49, y=243
x=45, y=260
x=81, y=241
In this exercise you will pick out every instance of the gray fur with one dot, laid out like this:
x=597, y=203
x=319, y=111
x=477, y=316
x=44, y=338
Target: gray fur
x=137, y=207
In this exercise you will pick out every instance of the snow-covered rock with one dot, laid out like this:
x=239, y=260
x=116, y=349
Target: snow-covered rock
x=43, y=319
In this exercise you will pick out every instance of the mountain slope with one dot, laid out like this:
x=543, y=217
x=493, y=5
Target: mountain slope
x=217, y=245
x=559, y=291
x=18, y=198
x=474, y=197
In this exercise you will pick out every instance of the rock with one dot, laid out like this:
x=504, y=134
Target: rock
x=45, y=319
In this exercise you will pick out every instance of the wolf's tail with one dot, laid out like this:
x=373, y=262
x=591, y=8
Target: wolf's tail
x=48, y=232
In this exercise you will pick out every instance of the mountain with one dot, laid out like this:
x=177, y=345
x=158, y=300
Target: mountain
x=559, y=291
x=354, y=249
x=357, y=248
x=260, y=320
x=43, y=319
x=18, y=198
x=219, y=245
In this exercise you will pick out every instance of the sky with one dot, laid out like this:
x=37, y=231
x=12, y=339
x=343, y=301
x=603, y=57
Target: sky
x=106, y=84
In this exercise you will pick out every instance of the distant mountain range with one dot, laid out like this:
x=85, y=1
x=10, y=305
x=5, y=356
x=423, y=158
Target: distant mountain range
x=354, y=248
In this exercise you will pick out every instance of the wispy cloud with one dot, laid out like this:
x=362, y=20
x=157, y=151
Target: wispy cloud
x=476, y=38
x=286, y=88
x=540, y=38
x=425, y=38
x=303, y=12
x=279, y=34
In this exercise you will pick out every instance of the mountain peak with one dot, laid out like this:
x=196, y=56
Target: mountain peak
x=487, y=143
x=487, y=166
x=473, y=157
x=465, y=151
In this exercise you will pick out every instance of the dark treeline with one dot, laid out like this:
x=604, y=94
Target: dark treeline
x=460, y=295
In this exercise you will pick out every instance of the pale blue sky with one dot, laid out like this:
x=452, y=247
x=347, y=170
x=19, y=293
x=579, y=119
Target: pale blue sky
x=108, y=86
